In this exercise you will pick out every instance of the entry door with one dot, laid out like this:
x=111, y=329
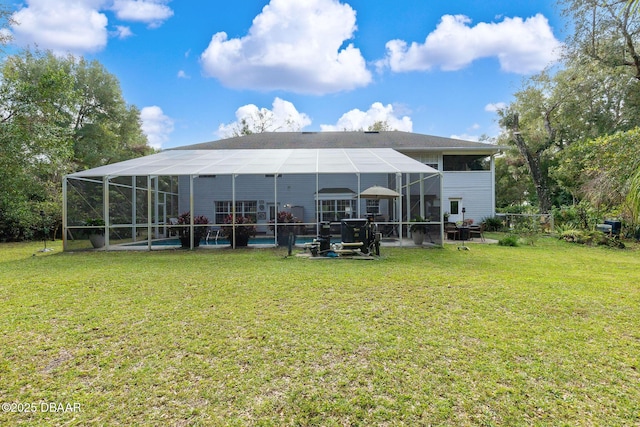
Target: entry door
x=455, y=209
x=272, y=212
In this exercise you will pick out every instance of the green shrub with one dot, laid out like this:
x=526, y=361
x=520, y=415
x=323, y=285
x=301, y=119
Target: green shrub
x=517, y=209
x=568, y=232
x=592, y=238
x=493, y=223
x=510, y=240
x=610, y=241
x=583, y=215
x=572, y=235
x=566, y=216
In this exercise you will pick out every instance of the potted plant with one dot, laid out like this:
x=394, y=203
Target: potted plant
x=286, y=225
x=184, y=233
x=96, y=235
x=418, y=230
x=244, y=229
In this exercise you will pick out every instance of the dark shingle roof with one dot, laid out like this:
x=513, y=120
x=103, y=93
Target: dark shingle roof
x=290, y=140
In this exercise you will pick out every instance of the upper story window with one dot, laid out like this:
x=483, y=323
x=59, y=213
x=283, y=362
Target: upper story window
x=473, y=162
x=428, y=159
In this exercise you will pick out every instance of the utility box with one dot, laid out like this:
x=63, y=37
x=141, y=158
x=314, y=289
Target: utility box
x=354, y=230
x=325, y=236
x=616, y=226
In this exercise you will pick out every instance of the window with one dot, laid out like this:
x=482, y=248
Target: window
x=336, y=204
x=247, y=208
x=477, y=162
x=454, y=207
x=335, y=210
x=373, y=207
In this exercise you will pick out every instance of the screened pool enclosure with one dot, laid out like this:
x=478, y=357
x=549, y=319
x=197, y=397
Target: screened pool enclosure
x=137, y=202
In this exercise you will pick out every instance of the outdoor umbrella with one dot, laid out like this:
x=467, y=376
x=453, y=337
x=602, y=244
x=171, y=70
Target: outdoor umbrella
x=378, y=193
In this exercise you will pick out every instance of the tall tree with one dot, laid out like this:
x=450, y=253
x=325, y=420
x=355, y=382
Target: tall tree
x=380, y=126
x=105, y=128
x=599, y=170
x=513, y=182
x=5, y=21
x=57, y=115
x=531, y=126
x=34, y=149
x=261, y=121
x=595, y=92
x=605, y=30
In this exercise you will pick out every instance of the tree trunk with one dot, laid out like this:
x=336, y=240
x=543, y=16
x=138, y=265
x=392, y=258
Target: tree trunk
x=535, y=170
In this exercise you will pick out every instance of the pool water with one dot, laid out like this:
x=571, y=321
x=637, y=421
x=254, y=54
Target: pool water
x=222, y=242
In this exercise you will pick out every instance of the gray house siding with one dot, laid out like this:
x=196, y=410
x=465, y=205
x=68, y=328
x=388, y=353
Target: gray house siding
x=474, y=192
x=473, y=189
x=297, y=191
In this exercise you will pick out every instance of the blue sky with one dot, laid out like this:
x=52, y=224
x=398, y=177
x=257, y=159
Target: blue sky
x=195, y=68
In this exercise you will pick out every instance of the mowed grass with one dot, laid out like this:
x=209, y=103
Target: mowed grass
x=534, y=335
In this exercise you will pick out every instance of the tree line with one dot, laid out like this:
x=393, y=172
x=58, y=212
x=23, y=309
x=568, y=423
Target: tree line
x=572, y=130
x=58, y=115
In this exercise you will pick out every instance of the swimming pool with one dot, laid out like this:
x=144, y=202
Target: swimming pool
x=262, y=240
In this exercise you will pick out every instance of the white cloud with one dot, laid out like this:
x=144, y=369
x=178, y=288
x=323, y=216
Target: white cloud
x=284, y=117
x=495, y=107
x=80, y=26
x=292, y=45
x=62, y=26
x=156, y=125
x=183, y=75
x=152, y=12
x=357, y=119
x=521, y=46
x=123, y=32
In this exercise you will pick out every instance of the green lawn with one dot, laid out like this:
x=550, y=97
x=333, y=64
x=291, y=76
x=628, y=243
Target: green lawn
x=532, y=335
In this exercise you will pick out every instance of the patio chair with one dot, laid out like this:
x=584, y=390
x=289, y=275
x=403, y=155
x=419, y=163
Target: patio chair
x=172, y=231
x=451, y=230
x=389, y=230
x=477, y=231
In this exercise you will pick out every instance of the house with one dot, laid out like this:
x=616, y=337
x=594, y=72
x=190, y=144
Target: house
x=317, y=176
x=468, y=175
